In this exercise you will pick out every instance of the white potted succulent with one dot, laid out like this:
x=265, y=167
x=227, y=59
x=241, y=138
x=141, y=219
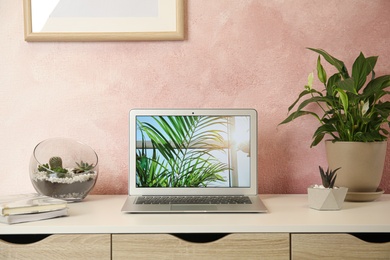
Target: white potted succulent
x=327, y=196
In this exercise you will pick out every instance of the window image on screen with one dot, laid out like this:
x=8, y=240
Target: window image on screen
x=193, y=151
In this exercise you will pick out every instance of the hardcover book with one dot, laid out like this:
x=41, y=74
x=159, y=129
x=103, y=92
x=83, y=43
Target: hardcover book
x=13, y=219
x=29, y=203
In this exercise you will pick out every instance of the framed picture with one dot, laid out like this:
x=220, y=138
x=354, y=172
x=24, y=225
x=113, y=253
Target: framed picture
x=103, y=20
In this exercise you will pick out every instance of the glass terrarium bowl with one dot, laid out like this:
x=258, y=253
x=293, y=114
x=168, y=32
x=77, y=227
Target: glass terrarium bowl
x=63, y=168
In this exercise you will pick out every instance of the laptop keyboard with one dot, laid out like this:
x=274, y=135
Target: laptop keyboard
x=193, y=200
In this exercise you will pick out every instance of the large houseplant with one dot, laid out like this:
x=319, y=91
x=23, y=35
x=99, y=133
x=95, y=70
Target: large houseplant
x=351, y=110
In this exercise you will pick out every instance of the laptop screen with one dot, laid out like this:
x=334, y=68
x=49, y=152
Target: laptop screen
x=188, y=151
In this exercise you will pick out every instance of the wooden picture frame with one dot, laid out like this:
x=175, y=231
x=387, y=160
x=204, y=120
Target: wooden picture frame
x=165, y=24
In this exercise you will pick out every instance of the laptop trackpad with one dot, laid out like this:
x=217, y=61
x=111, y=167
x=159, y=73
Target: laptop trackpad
x=193, y=207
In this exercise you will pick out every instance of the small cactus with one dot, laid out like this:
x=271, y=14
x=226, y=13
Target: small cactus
x=56, y=166
x=55, y=162
x=328, y=178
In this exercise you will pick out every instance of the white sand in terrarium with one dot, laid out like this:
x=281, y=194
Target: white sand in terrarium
x=80, y=177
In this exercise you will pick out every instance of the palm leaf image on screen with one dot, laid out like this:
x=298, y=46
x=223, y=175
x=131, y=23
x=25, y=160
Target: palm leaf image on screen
x=176, y=151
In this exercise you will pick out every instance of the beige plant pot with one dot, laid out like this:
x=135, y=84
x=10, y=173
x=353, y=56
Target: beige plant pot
x=361, y=164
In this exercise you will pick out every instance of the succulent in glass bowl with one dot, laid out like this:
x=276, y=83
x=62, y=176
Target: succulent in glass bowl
x=63, y=168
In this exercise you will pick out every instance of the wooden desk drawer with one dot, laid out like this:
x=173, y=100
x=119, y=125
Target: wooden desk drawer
x=60, y=247
x=336, y=246
x=232, y=246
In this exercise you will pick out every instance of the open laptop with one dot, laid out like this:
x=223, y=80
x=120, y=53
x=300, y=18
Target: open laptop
x=193, y=160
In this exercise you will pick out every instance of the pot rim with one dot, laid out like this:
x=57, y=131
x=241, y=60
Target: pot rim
x=354, y=142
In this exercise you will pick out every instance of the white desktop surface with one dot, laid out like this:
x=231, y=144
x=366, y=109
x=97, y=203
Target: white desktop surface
x=99, y=214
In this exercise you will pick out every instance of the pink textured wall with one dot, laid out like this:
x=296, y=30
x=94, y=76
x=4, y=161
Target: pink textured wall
x=248, y=53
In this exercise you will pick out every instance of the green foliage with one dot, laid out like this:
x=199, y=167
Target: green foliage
x=44, y=167
x=351, y=106
x=328, y=178
x=59, y=170
x=83, y=167
x=54, y=166
x=174, y=161
x=152, y=172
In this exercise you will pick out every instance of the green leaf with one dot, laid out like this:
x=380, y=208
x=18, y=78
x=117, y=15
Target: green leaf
x=347, y=84
x=302, y=94
x=344, y=100
x=313, y=100
x=320, y=133
x=318, y=138
x=338, y=64
x=377, y=84
x=371, y=62
x=360, y=70
x=297, y=114
x=321, y=73
x=331, y=85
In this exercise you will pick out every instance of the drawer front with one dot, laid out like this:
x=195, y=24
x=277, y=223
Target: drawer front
x=232, y=246
x=336, y=246
x=60, y=247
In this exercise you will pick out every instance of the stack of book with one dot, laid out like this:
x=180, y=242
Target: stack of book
x=30, y=207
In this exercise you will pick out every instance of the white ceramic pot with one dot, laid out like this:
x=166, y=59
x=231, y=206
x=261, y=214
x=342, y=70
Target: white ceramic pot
x=361, y=164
